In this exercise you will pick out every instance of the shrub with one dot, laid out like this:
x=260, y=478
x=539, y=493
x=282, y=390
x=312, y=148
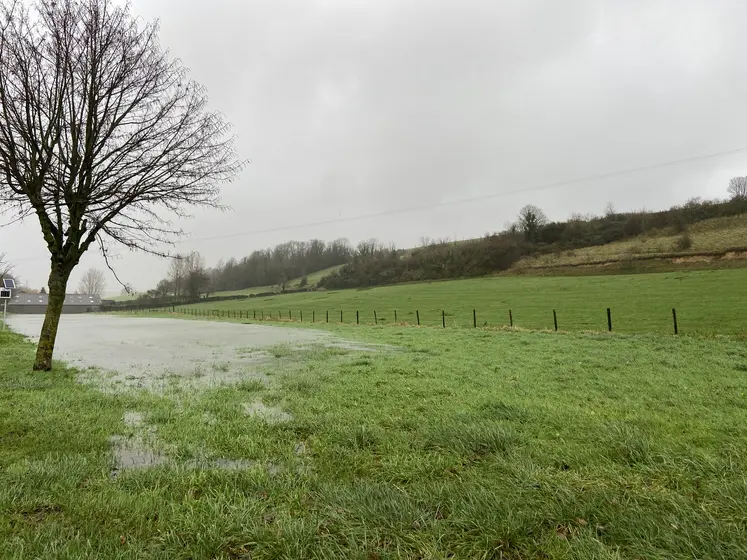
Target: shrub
x=683, y=242
x=304, y=282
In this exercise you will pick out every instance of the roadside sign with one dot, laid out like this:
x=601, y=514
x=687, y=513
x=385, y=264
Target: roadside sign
x=4, y=294
x=9, y=283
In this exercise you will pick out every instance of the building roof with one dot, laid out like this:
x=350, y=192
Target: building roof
x=43, y=299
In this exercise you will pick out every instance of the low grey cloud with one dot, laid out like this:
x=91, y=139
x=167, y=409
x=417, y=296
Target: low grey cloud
x=350, y=108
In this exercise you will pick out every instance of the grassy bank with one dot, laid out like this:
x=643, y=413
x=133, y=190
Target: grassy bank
x=717, y=234
x=707, y=302
x=441, y=444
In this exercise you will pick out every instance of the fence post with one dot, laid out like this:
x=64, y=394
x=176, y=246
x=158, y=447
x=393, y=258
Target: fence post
x=474, y=317
x=395, y=315
x=417, y=314
x=328, y=316
x=376, y=319
x=313, y=316
x=357, y=318
x=341, y=316
x=290, y=316
x=609, y=319
x=443, y=318
x=555, y=319
x=510, y=318
x=255, y=313
x=301, y=312
x=674, y=317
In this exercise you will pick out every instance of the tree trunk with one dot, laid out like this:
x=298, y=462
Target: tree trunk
x=57, y=287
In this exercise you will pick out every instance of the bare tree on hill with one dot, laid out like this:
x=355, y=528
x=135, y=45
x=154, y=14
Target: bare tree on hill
x=738, y=187
x=531, y=219
x=92, y=283
x=102, y=135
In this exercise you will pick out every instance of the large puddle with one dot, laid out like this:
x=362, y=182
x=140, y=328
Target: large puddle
x=124, y=353
x=157, y=354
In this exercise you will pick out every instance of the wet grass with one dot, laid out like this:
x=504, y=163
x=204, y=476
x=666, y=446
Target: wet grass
x=458, y=444
x=707, y=302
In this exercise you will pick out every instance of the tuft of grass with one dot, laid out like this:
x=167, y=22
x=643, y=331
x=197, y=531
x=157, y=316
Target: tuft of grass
x=626, y=443
x=472, y=438
x=497, y=410
x=250, y=386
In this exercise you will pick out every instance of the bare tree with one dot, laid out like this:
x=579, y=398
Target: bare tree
x=102, y=135
x=531, y=219
x=177, y=272
x=92, y=283
x=369, y=248
x=738, y=187
x=6, y=269
x=196, y=278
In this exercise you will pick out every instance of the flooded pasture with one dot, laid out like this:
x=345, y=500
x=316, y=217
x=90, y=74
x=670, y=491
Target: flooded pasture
x=171, y=358
x=157, y=354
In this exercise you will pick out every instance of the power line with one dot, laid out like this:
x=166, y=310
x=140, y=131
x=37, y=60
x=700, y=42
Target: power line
x=540, y=187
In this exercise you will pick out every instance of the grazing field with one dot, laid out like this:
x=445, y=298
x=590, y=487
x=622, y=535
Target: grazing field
x=707, y=302
x=432, y=444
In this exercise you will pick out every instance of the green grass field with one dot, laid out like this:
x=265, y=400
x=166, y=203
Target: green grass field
x=441, y=444
x=707, y=302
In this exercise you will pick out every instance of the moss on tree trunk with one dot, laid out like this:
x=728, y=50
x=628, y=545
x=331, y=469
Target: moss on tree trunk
x=57, y=287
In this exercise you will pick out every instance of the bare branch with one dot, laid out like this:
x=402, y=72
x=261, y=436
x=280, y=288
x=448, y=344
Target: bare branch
x=103, y=135
x=101, y=131
x=738, y=187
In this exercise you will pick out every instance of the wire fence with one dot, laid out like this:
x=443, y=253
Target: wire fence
x=605, y=321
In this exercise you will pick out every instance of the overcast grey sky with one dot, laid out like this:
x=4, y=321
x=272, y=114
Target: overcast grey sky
x=355, y=107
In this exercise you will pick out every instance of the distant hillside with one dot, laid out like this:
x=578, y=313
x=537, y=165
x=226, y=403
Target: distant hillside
x=311, y=281
x=698, y=234
x=713, y=243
